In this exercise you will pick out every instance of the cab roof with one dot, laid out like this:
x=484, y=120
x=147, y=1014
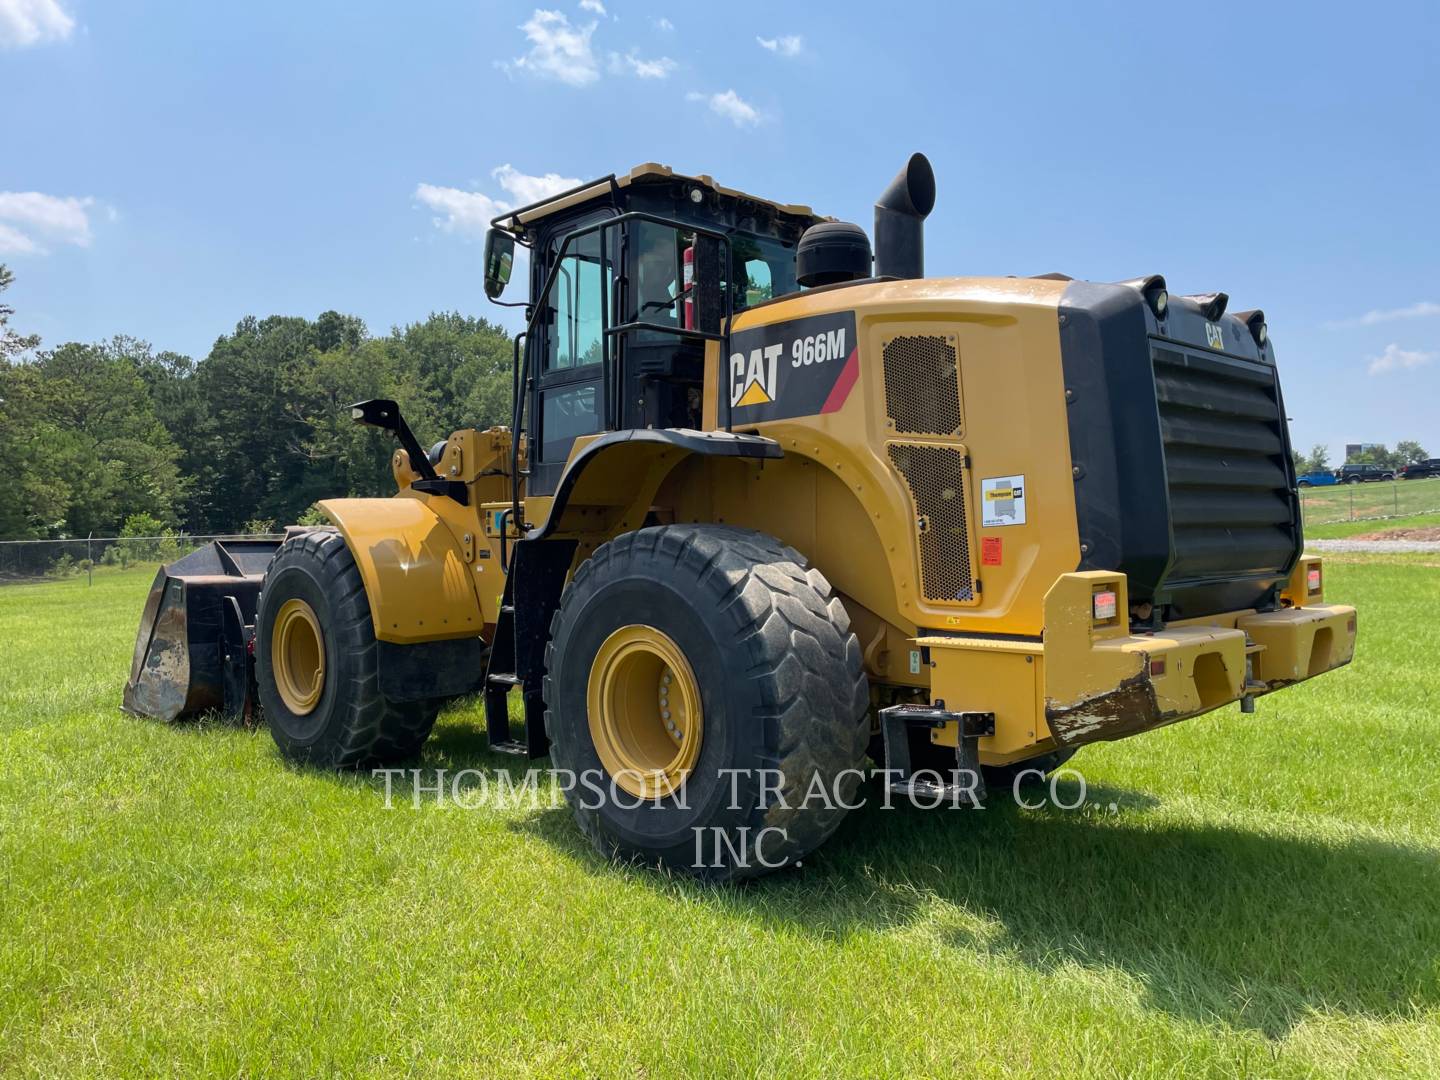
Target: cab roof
x=519, y=220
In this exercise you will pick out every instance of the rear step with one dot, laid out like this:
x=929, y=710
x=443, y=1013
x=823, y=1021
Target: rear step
x=916, y=765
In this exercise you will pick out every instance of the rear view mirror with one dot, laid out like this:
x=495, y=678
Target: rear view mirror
x=499, y=259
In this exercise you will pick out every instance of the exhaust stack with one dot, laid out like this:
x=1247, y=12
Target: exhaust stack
x=900, y=220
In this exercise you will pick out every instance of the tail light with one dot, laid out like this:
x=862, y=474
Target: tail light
x=1106, y=605
x=1312, y=580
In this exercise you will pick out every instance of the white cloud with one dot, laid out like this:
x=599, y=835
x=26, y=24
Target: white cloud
x=729, y=105
x=665, y=24
x=27, y=218
x=466, y=212
x=14, y=242
x=469, y=213
x=558, y=50
x=592, y=5
x=529, y=189
x=658, y=68
x=1395, y=358
x=1385, y=315
x=32, y=22
x=788, y=45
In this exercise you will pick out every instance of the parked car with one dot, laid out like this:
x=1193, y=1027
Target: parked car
x=1363, y=474
x=1321, y=478
x=1419, y=470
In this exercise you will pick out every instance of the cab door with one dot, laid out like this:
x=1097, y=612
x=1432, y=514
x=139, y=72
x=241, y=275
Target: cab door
x=570, y=378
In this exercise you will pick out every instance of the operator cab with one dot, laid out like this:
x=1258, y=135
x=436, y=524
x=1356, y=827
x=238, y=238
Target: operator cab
x=630, y=278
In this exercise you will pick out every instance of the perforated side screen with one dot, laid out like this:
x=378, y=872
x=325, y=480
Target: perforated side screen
x=922, y=384
x=936, y=478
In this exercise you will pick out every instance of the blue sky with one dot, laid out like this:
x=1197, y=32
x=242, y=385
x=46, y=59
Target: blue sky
x=167, y=168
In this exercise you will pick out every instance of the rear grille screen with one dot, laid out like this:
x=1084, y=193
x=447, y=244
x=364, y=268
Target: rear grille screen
x=935, y=476
x=1230, y=505
x=922, y=384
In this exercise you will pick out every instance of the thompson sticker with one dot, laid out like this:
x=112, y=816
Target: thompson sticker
x=1002, y=501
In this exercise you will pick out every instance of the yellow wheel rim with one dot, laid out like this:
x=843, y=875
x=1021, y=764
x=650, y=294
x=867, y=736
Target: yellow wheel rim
x=297, y=656
x=645, y=715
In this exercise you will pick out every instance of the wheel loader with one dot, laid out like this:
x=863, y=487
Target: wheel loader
x=777, y=515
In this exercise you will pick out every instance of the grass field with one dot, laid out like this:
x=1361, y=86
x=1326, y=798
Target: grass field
x=1252, y=895
x=1338, y=530
x=1349, y=502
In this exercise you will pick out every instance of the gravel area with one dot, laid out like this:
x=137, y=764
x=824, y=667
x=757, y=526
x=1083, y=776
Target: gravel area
x=1375, y=547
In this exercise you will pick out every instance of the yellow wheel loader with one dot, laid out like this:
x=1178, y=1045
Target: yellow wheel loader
x=771, y=503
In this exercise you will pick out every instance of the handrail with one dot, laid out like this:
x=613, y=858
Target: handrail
x=517, y=415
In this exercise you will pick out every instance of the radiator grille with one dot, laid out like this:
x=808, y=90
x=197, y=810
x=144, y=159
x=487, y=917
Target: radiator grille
x=935, y=476
x=922, y=384
x=1225, y=462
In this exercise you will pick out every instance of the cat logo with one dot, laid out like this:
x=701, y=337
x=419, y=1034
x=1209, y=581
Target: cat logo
x=752, y=377
x=1214, y=335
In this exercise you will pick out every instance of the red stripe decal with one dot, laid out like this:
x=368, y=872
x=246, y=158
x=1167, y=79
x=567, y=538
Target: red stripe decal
x=844, y=384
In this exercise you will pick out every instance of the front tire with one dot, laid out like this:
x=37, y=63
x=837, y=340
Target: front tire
x=317, y=663
x=707, y=694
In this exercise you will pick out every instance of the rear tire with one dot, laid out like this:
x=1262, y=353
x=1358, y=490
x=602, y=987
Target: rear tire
x=313, y=585
x=777, y=682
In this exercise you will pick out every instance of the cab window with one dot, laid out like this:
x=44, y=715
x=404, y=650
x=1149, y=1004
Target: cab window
x=764, y=269
x=576, y=299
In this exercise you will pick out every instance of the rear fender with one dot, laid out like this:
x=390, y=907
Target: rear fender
x=610, y=481
x=416, y=577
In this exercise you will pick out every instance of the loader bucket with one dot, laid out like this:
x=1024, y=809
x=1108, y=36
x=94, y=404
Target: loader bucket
x=195, y=619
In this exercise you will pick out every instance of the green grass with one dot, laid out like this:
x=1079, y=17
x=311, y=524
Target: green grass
x=1348, y=502
x=1338, y=530
x=1240, y=895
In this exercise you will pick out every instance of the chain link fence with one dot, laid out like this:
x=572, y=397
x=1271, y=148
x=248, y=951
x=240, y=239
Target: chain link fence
x=36, y=560
x=1370, y=502
x=33, y=560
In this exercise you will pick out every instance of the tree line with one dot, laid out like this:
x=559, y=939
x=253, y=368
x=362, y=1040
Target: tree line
x=1406, y=452
x=97, y=435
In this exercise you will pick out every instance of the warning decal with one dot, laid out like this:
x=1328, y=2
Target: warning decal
x=1002, y=501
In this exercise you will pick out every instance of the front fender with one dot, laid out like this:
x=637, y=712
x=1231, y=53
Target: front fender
x=416, y=578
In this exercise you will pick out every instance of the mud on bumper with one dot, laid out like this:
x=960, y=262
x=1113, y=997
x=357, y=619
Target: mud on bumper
x=1108, y=683
x=1088, y=681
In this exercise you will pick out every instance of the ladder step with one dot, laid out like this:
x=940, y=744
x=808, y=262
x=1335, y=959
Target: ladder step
x=507, y=609
x=512, y=746
x=505, y=679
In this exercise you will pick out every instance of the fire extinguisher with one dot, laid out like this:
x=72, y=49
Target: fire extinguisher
x=688, y=279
